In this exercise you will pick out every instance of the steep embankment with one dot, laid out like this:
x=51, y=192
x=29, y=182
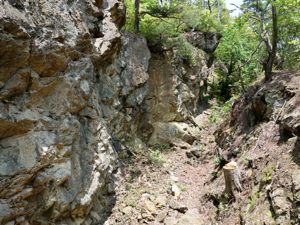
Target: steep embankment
x=262, y=135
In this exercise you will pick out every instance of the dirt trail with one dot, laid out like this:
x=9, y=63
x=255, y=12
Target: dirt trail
x=186, y=188
x=170, y=193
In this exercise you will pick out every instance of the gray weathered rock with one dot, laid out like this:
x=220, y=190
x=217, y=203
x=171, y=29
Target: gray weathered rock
x=177, y=206
x=208, y=41
x=173, y=131
x=68, y=79
x=192, y=217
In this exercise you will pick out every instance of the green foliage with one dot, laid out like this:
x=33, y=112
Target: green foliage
x=156, y=153
x=238, y=51
x=288, y=14
x=158, y=23
x=129, y=4
x=157, y=31
x=289, y=32
x=161, y=146
x=201, y=19
x=163, y=11
x=156, y=157
x=252, y=200
x=183, y=49
x=219, y=111
x=217, y=161
x=267, y=175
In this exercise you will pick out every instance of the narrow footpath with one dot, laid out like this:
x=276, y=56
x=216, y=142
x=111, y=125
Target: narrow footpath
x=170, y=191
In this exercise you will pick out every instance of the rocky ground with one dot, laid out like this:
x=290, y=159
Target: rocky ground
x=167, y=188
x=184, y=184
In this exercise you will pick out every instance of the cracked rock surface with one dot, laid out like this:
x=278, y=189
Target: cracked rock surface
x=68, y=78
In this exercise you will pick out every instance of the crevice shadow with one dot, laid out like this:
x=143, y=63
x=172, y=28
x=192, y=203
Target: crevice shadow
x=296, y=152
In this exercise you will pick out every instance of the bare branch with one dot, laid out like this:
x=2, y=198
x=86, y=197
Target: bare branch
x=158, y=16
x=252, y=54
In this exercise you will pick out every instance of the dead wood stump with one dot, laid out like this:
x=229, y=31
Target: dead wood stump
x=232, y=178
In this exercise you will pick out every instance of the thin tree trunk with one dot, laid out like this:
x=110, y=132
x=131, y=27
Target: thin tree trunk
x=272, y=53
x=137, y=16
x=209, y=6
x=219, y=10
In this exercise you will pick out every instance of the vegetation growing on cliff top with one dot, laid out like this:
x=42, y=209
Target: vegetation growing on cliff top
x=265, y=36
x=170, y=18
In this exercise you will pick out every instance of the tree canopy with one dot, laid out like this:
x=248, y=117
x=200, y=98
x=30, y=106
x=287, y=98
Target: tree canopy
x=265, y=36
x=170, y=18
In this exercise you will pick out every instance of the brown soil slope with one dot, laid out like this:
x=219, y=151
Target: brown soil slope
x=262, y=135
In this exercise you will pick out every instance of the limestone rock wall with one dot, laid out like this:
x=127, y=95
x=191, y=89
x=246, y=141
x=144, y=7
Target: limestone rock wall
x=172, y=99
x=70, y=84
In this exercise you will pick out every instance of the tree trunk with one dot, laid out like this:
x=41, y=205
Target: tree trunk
x=241, y=79
x=137, y=16
x=209, y=6
x=272, y=54
x=219, y=10
x=232, y=178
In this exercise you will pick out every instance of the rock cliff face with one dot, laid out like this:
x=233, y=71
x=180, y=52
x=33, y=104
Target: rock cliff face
x=70, y=84
x=74, y=91
x=176, y=90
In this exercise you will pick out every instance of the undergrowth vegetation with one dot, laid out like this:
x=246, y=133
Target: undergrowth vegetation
x=156, y=154
x=220, y=110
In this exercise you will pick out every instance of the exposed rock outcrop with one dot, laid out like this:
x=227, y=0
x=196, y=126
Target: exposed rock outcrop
x=176, y=91
x=207, y=41
x=70, y=86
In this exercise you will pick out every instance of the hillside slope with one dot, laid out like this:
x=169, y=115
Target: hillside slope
x=260, y=134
